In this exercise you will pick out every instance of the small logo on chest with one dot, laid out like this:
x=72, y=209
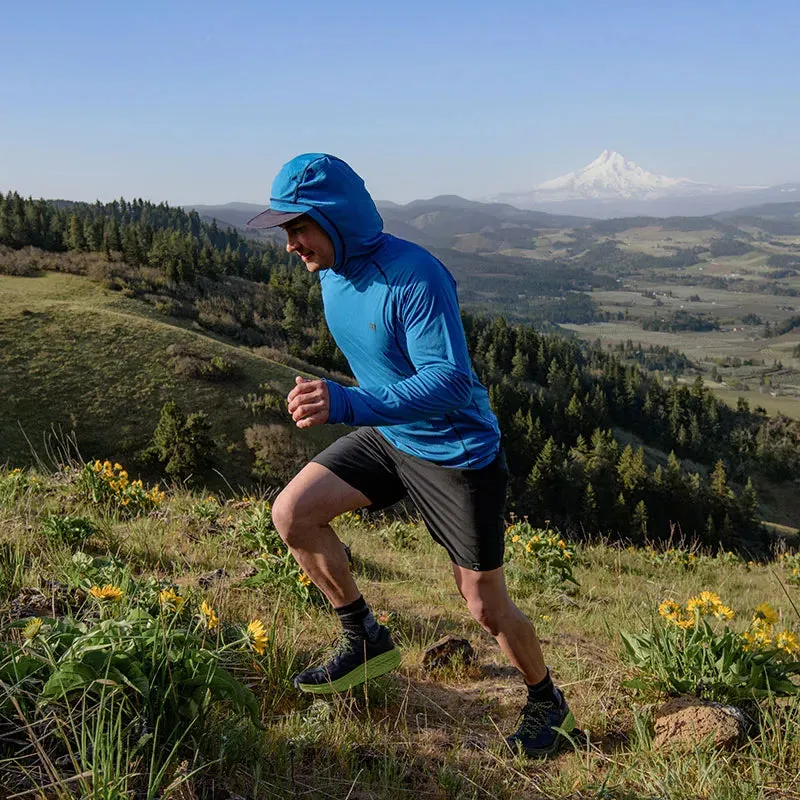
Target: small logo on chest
x=372, y=326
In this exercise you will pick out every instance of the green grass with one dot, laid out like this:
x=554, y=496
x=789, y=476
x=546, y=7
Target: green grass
x=78, y=358
x=788, y=406
x=412, y=733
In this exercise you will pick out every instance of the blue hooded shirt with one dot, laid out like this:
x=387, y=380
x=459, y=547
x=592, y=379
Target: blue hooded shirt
x=393, y=311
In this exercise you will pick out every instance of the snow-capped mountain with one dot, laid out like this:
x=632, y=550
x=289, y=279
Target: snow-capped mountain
x=611, y=185
x=611, y=175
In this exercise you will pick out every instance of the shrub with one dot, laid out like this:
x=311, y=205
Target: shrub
x=278, y=452
x=207, y=510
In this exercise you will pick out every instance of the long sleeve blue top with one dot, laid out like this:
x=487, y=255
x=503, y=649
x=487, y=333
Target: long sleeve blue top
x=392, y=309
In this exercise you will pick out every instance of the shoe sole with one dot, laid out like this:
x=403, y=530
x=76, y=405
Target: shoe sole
x=374, y=668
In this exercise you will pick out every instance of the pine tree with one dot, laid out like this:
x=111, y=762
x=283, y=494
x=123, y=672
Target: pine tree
x=182, y=443
x=639, y=520
x=719, y=481
x=519, y=365
x=749, y=502
x=590, y=506
x=76, y=239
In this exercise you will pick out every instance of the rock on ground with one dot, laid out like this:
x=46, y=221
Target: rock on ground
x=441, y=653
x=684, y=722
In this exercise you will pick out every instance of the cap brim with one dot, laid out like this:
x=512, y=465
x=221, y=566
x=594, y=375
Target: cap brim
x=271, y=219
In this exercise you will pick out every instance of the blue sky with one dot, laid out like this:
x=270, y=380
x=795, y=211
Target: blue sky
x=201, y=102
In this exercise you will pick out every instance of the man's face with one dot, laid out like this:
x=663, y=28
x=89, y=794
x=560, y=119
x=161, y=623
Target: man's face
x=306, y=237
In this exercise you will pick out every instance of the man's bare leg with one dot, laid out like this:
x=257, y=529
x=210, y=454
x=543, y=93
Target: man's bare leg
x=489, y=603
x=302, y=513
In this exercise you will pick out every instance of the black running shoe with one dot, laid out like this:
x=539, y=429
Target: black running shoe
x=353, y=661
x=535, y=737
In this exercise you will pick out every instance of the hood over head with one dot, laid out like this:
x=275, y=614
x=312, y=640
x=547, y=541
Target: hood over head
x=331, y=193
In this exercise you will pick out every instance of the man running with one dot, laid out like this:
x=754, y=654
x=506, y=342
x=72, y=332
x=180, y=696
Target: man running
x=425, y=430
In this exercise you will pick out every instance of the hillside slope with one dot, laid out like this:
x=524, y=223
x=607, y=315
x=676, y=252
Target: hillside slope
x=78, y=357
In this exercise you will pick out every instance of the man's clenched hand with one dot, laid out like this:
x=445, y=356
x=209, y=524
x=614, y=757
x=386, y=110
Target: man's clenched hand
x=309, y=402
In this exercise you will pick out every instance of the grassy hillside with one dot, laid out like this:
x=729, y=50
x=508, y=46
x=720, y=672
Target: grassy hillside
x=81, y=358
x=416, y=733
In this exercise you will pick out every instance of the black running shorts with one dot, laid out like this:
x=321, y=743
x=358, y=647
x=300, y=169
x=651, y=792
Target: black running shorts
x=462, y=508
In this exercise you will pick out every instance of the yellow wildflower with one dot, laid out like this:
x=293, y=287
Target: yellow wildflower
x=107, y=592
x=515, y=537
x=561, y=543
x=117, y=467
x=765, y=613
x=757, y=638
x=669, y=609
x=535, y=538
x=528, y=547
x=303, y=579
x=786, y=640
x=704, y=603
x=171, y=600
x=724, y=612
x=684, y=622
x=32, y=628
x=567, y=555
x=257, y=636
x=209, y=615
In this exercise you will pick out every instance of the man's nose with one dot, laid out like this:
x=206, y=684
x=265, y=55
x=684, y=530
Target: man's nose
x=291, y=245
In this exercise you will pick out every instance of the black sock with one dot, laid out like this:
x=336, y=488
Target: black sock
x=543, y=691
x=356, y=618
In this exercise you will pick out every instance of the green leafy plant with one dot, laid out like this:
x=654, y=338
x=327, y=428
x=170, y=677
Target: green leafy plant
x=14, y=484
x=164, y=668
x=107, y=485
x=275, y=565
x=691, y=649
x=546, y=558
x=207, y=510
x=255, y=531
x=400, y=535
x=791, y=562
x=68, y=530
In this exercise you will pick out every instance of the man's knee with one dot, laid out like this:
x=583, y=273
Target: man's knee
x=489, y=613
x=291, y=516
